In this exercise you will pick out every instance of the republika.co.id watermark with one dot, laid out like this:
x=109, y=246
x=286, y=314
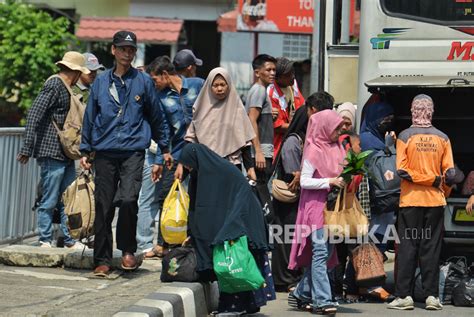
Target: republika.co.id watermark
x=337, y=234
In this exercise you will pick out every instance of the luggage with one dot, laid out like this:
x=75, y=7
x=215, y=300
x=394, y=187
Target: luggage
x=174, y=215
x=368, y=265
x=280, y=190
x=384, y=181
x=179, y=265
x=235, y=267
x=451, y=273
x=79, y=206
x=265, y=199
x=70, y=135
x=463, y=292
x=456, y=268
x=347, y=219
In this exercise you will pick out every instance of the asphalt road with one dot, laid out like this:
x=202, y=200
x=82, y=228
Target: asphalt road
x=280, y=308
x=27, y=291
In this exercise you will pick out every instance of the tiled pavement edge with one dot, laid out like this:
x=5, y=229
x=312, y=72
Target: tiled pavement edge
x=175, y=300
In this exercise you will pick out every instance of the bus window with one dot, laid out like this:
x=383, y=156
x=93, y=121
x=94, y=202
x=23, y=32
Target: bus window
x=444, y=12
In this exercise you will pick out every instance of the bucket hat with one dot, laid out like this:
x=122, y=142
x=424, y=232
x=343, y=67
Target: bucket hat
x=74, y=61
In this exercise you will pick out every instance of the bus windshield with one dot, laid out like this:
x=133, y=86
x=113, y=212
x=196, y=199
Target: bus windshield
x=438, y=11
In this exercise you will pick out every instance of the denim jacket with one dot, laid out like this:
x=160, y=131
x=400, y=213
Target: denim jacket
x=125, y=121
x=178, y=108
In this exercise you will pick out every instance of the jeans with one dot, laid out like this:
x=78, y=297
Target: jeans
x=148, y=206
x=314, y=286
x=56, y=176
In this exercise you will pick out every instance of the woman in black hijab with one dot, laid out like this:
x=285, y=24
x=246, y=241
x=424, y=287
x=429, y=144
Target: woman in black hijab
x=222, y=208
x=287, y=168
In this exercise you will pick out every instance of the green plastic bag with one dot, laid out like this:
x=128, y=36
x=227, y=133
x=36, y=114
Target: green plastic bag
x=235, y=267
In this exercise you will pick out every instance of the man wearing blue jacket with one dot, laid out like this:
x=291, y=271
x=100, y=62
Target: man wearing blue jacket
x=122, y=116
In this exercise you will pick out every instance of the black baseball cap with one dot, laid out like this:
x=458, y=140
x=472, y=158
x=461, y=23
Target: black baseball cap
x=185, y=58
x=125, y=38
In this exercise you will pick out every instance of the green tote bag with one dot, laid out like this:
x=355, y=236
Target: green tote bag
x=235, y=267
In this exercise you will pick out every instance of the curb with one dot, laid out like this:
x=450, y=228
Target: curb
x=25, y=255
x=175, y=299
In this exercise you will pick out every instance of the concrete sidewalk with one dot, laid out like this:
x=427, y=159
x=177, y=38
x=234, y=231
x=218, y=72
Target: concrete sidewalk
x=35, y=291
x=66, y=291
x=38, y=281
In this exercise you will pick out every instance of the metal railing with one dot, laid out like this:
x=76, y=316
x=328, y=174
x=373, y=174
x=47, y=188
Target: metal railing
x=17, y=188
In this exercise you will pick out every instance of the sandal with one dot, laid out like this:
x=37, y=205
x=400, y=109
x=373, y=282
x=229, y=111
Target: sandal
x=156, y=252
x=325, y=310
x=297, y=303
x=380, y=294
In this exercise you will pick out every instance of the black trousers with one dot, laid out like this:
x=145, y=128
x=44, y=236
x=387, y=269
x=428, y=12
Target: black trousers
x=125, y=175
x=420, y=230
x=167, y=181
x=263, y=176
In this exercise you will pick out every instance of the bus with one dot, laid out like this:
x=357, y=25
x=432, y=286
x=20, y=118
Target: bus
x=408, y=47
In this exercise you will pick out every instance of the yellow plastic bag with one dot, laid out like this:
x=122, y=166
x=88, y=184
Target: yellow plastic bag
x=174, y=215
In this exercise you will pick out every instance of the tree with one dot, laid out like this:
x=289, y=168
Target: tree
x=30, y=42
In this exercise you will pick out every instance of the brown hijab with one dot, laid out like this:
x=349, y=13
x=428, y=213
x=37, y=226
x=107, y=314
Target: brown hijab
x=222, y=125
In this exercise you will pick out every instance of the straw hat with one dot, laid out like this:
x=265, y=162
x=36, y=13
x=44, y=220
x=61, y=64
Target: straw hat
x=74, y=61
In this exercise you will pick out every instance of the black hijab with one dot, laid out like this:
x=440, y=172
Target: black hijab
x=298, y=125
x=225, y=208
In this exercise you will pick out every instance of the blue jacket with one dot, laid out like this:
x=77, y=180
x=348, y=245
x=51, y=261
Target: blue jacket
x=125, y=117
x=178, y=109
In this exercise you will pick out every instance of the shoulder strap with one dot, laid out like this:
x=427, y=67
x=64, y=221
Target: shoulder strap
x=71, y=93
x=55, y=125
x=64, y=82
x=276, y=166
x=299, y=139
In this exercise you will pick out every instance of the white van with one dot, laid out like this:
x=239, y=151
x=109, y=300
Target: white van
x=408, y=47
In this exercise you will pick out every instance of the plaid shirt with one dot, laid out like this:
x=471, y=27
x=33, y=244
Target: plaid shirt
x=364, y=197
x=41, y=139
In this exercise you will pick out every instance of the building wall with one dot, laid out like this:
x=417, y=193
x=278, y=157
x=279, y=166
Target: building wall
x=236, y=56
x=100, y=8
x=238, y=49
x=196, y=10
x=271, y=44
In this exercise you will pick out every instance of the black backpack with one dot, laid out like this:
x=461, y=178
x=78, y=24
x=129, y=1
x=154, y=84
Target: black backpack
x=384, y=181
x=179, y=265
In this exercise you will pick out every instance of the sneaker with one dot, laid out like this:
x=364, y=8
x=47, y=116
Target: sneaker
x=433, y=303
x=402, y=303
x=77, y=246
x=45, y=244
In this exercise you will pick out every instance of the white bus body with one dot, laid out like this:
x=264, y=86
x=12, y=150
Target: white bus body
x=408, y=47
x=392, y=46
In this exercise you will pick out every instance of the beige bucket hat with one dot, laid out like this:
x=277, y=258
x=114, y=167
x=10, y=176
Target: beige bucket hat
x=74, y=61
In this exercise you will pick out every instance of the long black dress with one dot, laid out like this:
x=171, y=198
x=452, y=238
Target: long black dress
x=223, y=207
x=287, y=162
